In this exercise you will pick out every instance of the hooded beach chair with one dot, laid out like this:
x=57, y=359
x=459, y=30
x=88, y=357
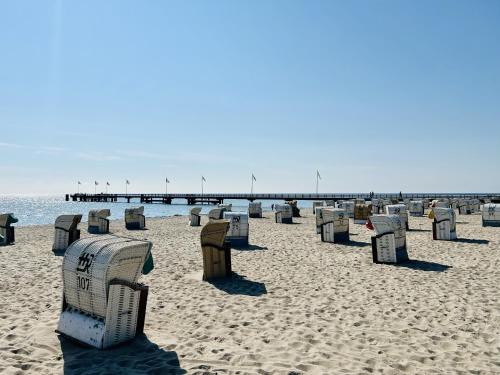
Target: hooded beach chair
x=389, y=242
x=361, y=213
x=400, y=210
x=7, y=231
x=237, y=234
x=491, y=215
x=283, y=214
x=103, y=303
x=376, y=206
x=464, y=207
x=194, y=217
x=66, y=231
x=444, y=226
x=334, y=225
x=98, y=221
x=416, y=208
x=134, y=218
x=255, y=209
x=476, y=206
x=295, y=208
x=216, y=252
x=216, y=213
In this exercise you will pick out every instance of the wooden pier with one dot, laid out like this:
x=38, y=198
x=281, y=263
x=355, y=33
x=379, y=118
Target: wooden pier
x=192, y=199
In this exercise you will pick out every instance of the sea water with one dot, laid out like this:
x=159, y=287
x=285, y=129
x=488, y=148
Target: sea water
x=36, y=210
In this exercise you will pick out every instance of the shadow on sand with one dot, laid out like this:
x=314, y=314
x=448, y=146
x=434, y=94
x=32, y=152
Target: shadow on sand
x=354, y=243
x=419, y=230
x=422, y=265
x=472, y=240
x=136, y=356
x=238, y=284
x=248, y=247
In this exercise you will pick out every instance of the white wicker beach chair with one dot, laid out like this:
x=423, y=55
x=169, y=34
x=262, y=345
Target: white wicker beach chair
x=476, y=206
x=194, y=217
x=7, y=231
x=416, y=208
x=318, y=212
x=237, y=234
x=283, y=214
x=98, y=221
x=389, y=242
x=216, y=252
x=444, y=226
x=376, y=206
x=216, y=213
x=334, y=225
x=491, y=215
x=255, y=209
x=66, y=231
x=134, y=218
x=400, y=210
x=103, y=304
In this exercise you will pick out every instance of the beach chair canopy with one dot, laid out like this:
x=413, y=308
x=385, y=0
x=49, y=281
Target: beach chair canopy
x=7, y=219
x=91, y=264
x=216, y=213
x=195, y=211
x=68, y=222
x=134, y=211
x=386, y=223
x=95, y=215
x=283, y=208
x=330, y=215
x=214, y=233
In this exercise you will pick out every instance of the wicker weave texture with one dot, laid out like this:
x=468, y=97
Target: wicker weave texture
x=91, y=263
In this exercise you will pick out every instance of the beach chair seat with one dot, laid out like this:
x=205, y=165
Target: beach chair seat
x=134, y=218
x=416, y=208
x=216, y=213
x=103, y=303
x=7, y=231
x=237, y=234
x=491, y=215
x=98, y=221
x=400, y=210
x=255, y=209
x=283, y=214
x=66, y=231
x=216, y=252
x=444, y=224
x=361, y=212
x=194, y=217
x=334, y=225
x=389, y=242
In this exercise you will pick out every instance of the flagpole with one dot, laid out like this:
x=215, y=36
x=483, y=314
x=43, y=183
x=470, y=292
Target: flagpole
x=126, y=187
x=202, y=186
x=78, y=187
x=251, y=191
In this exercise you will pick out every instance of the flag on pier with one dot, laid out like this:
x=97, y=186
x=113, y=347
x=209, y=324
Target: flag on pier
x=107, y=183
x=96, y=183
x=253, y=177
x=127, y=182
x=203, y=179
x=167, y=181
x=318, y=175
x=79, y=183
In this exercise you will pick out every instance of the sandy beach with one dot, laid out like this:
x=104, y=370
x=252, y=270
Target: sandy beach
x=295, y=305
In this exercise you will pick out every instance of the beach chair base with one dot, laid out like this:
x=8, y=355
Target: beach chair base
x=9, y=237
x=255, y=215
x=236, y=241
x=491, y=223
x=216, y=262
x=384, y=250
x=195, y=221
x=124, y=318
x=442, y=231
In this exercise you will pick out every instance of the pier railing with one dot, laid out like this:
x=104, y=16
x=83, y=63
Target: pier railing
x=214, y=198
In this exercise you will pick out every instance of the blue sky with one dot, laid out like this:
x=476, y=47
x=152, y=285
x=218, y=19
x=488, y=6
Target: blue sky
x=377, y=95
